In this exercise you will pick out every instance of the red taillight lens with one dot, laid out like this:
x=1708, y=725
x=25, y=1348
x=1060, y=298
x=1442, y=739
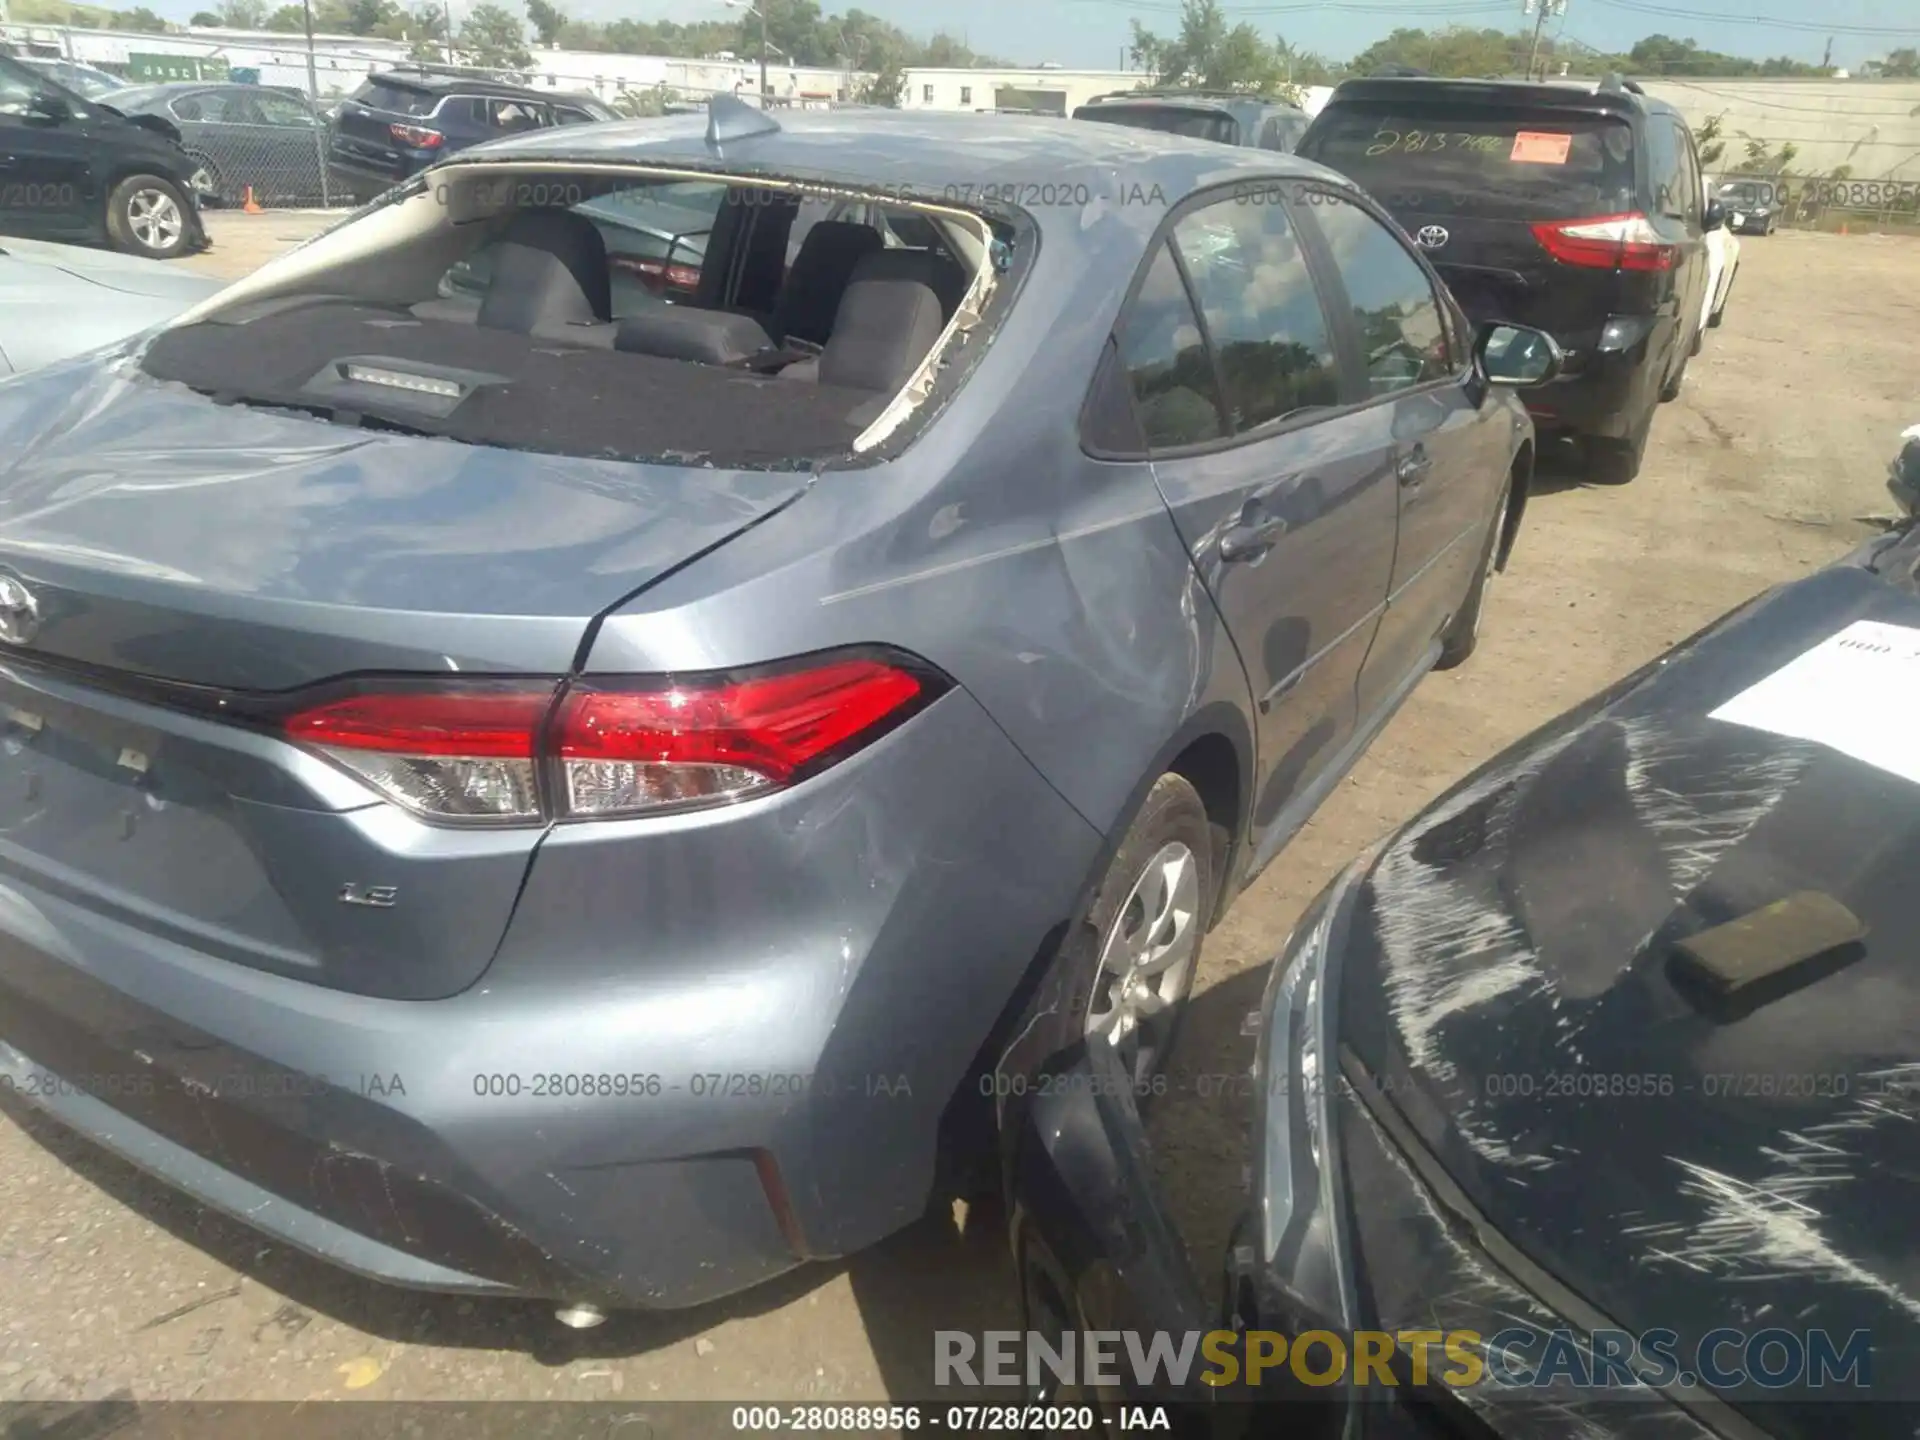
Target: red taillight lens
x=473, y=750
x=418, y=136
x=1606, y=242
x=660, y=274
x=710, y=741
x=463, y=752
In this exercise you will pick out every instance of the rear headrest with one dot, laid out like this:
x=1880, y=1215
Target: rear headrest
x=818, y=278
x=887, y=322
x=549, y=271
x=673, y=332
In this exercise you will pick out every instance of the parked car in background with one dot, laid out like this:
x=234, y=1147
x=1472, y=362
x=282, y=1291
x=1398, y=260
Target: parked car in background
x=88, y=81
x=401, y=121
x=1613, y=1041
x=1903, y=475
x=75, y=170
x=266, y=138
x=62, y=300
x=1577, y=208
x=1231, y=117
x=675, y=744
x=1753, y=206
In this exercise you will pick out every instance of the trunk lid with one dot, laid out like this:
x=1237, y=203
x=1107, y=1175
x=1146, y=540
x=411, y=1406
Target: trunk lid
x=164, y=538
x=1468, y=180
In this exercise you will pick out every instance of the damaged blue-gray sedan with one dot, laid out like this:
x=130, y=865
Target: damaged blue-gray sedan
x=559, y=790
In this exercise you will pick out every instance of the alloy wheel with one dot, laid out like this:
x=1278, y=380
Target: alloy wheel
x=1147, y=958
x=154, y=217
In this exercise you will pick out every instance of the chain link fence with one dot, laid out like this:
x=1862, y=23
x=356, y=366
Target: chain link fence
x=274, y=167
x=1813, y=202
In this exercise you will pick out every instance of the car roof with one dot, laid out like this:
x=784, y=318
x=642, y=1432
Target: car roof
x=1192, y=100
x=433, y=83
x=1047, y=165
x=1611, y=95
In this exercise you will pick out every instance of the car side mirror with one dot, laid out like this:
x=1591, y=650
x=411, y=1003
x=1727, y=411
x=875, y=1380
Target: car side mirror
x=46, y=105
x=1517, y=355
x=1713, y=216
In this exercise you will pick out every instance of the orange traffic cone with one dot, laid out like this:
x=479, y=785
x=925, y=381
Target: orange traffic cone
x=252, y=206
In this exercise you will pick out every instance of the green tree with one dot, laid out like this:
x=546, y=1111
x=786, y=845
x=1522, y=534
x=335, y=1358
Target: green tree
x=885, y=88
x=1707, y=139
x=204, y=17
x=548, y=20
x=139, y=18
x=1207, y=53
x=1902, y=64
x=242, y=14
x=494, y=40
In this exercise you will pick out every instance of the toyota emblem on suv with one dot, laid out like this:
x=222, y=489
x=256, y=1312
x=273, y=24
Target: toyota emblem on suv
x=1431, y=237
x=19, y=612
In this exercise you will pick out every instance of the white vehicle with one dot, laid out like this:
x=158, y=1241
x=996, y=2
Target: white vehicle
x=1723, y=260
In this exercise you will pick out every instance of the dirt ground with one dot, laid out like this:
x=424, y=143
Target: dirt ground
x=1770, y=464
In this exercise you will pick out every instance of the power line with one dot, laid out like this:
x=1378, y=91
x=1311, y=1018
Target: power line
x=1817, y=27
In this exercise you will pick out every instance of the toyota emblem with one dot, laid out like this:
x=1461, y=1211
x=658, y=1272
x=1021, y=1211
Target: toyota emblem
x=1431, y=237
x=19, y=612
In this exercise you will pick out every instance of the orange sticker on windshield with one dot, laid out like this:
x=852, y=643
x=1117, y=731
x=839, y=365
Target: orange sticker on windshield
x=1538, y=147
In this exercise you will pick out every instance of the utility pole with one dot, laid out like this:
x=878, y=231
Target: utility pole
x=447, y=9
x=761, y=6
x=313, y=82
x=1540, y=9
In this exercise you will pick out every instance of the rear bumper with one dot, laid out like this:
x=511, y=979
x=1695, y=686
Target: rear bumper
x=627, y=1109
x=1611, y=388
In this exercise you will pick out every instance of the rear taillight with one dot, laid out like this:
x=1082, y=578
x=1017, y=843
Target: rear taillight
x=1606, y=242
x=660, y=274
x=520, y=752
x=418, y=136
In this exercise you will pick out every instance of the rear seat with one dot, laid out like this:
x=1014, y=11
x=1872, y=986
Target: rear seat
x=550, y=281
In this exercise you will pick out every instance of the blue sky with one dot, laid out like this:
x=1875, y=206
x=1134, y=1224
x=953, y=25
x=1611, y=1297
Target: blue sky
x=1093, y=33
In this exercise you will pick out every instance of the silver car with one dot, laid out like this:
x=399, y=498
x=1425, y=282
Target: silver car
x=539, y=797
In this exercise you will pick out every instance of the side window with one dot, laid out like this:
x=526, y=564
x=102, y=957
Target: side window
x=1262, y=311
x=1272, y=135
x=1694, y=191
x=1669, y=185
x=1166, y=361
x=1403, y=336
x=566, y=115
x=510, y=117
x=283, y=110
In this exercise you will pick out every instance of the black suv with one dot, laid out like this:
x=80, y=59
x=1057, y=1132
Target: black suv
x=72, y=169
x=401, y=121
x=1231, y=117
x=1578, y=209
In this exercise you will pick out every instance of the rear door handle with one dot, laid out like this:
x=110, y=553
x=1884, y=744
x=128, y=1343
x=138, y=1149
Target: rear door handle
x=1411, y=468
x=1251, y=537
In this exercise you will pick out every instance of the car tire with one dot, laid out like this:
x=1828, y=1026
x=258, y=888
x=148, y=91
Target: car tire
x=148, y=216
x=207, y=179
x=1671, y=390
x=1463, y=631
x=1616, y=460
x=1150, y=914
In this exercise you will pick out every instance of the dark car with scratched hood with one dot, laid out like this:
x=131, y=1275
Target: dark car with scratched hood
x=1619, y=1037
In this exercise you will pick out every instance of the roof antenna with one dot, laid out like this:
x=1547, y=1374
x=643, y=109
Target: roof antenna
x=731, y=118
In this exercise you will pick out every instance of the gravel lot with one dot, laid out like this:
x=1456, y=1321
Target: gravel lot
x=1770, y=464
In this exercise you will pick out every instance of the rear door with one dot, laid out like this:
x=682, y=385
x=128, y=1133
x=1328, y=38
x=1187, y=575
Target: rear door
x=1281, y=497
x=1469, y=179
x=1448, y=464
x=1682, y=221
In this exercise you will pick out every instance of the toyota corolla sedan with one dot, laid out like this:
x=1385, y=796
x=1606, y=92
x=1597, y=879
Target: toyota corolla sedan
x=561, y=796
x=1586, y=1104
